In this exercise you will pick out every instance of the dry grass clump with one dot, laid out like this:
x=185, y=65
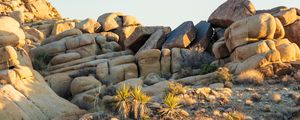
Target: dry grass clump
x=250, y=77
x=176, y=88
x=222, y=75
x=235, y=115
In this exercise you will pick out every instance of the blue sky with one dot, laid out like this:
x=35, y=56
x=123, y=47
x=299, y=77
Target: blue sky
x=155, y=12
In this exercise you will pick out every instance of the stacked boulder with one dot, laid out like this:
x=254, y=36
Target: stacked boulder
x=84, y=59
x=256, y=41
x=24, y=92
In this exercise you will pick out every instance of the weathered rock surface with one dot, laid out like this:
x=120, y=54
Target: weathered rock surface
x=63, y=58
x=252, y=29
x=88, y=25
x=220, y=50
x=292, y=32
x=23, y=79
x=134, y=37
x=155, y=41
x=81, y=84
x=149, y=61
x=273, y=10
x=11, y=33
x=203, y=36
x=111, y=21
x=287, y=17
x=62, y=35
x=60, y=27
x=231, y=11
x=14, y=105
x=135, y=82
x=60, y=83
x=9, y=58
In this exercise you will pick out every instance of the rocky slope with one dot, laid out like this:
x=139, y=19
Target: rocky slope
x=241, y=63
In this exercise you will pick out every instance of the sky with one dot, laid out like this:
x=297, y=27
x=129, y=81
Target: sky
x=154, y=12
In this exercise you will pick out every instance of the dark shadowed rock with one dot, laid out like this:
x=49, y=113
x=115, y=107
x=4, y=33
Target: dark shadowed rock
x=133, y=37
x=203, y=35
x=231, y=11
x=219, y=32
x=155, y=41
x=287, y=17
x=220, y=50
x=182, y=36
x=292, y=32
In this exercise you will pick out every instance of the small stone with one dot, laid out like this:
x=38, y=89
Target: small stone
x=210, y=98
x=225, y=115
x=189, y=101
x=256, y=97
x=297, y=100
x=216, y=113
x=267, y=108
x=114, y=119
x=228, y=84
x=202, y=110
x=286, y=89
x=248, y=102
x=297, y=75
x=228, y=110
x=276, y=97
x=248, y=118
x=216, y=86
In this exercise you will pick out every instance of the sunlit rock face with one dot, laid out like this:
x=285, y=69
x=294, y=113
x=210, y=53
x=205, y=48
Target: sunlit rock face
x=32, y=10
x=257, y=41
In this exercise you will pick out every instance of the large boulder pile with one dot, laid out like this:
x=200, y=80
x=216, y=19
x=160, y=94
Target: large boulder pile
x=24, y=92
x=257, y=41
x=86, y=61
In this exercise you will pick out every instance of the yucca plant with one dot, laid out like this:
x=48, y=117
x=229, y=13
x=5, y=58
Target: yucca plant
x=136, y=96
x=171, y=109
x=122, y=98
x=142, y=109
x=139, y=101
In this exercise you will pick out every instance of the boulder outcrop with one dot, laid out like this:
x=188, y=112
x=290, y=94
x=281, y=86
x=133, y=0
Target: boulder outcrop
x=231, y=11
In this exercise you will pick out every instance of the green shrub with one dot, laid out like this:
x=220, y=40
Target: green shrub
x=40, y=61
x=207, y=68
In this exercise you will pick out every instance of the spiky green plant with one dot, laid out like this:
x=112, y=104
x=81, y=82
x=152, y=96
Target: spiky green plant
x=139, y=101
x=123, y=101
x=142, y=109
x=171, y=108
x=136, y=96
